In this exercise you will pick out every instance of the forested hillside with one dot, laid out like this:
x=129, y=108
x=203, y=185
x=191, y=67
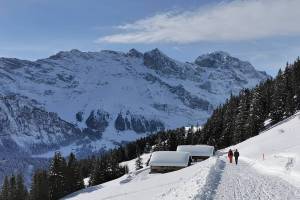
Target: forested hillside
x=243, y=116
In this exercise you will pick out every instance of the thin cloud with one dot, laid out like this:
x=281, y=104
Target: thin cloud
x=233, y=21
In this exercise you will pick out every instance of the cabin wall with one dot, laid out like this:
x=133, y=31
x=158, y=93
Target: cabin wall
x=199, y=158
x=163, y=169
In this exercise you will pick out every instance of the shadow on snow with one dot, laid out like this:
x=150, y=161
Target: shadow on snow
x=212, y=182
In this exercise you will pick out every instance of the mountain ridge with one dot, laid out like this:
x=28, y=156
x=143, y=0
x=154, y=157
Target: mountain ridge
x=71, y=71
x=109, y=97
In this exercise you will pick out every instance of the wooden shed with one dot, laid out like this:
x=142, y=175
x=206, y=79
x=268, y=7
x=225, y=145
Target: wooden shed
x=167, y=161
x=197, y=152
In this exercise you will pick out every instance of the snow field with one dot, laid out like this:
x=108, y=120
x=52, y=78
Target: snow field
x=182, y=184
x=242, y=181
x=276, y=151
x=131, y=163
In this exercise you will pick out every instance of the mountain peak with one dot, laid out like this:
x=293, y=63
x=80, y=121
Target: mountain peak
x=156, y=52
x=220, y=53
x=62, y=54
x=157, y=60
x=216, y=55
x=75, y=51
x=134, y=53
x=220, y=59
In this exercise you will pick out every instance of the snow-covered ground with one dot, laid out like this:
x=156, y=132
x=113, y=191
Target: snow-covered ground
x=131, y=163
x=182, y=184
x=276, y=151
x=275, y=177
x=242, y=181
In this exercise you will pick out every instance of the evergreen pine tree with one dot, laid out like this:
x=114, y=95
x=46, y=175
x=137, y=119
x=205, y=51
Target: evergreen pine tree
x=57, y=178
x=189, y=137
x=138, y=162
x=296, y=73
x=256, y=113
x=158, y=144
x=216, y=127
x=98, y=175
x=74, y=181
x=126, y=170
x=147, y=148
x=278, y=99
x=172, y=142
x=111, y=168
x=230, y=112
x=21, y=190
x=241, y=126
x=290, y=103
x=12, y=188
x=39, y=186
x=5, y=189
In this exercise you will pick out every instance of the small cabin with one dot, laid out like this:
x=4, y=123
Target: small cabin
x=193, y=129
x=167, y=161
x=197, y=152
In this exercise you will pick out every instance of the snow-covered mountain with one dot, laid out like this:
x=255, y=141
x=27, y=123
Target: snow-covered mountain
x=274, y=176
x=89, y=101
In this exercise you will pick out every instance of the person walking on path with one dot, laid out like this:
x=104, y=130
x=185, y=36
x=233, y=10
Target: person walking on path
x=236, y=156
x=230, y=155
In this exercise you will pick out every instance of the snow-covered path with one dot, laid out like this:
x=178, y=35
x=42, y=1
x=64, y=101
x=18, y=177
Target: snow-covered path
x=242, y=182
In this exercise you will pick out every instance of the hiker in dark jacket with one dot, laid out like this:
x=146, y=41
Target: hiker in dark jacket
x=230, y=155
x=236, y=156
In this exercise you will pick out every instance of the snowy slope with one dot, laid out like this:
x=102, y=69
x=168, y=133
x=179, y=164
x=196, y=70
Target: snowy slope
x=281, y=148
x=276, y=177
x=180, y=184
x=131, y=163
x=242, y=181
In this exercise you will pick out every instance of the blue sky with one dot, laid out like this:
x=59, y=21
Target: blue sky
x=264, y=32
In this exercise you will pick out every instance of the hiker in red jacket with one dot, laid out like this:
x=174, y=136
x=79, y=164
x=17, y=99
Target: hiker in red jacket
x=230, y=155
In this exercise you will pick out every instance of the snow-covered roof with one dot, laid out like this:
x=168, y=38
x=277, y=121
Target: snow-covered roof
x=193, y=128
x=170, y=158
x=196, y=150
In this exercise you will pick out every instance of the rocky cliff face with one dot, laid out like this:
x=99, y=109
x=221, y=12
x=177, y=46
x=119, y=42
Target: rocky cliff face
x=137, y=123
x=31, y=129
x=90, y=101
